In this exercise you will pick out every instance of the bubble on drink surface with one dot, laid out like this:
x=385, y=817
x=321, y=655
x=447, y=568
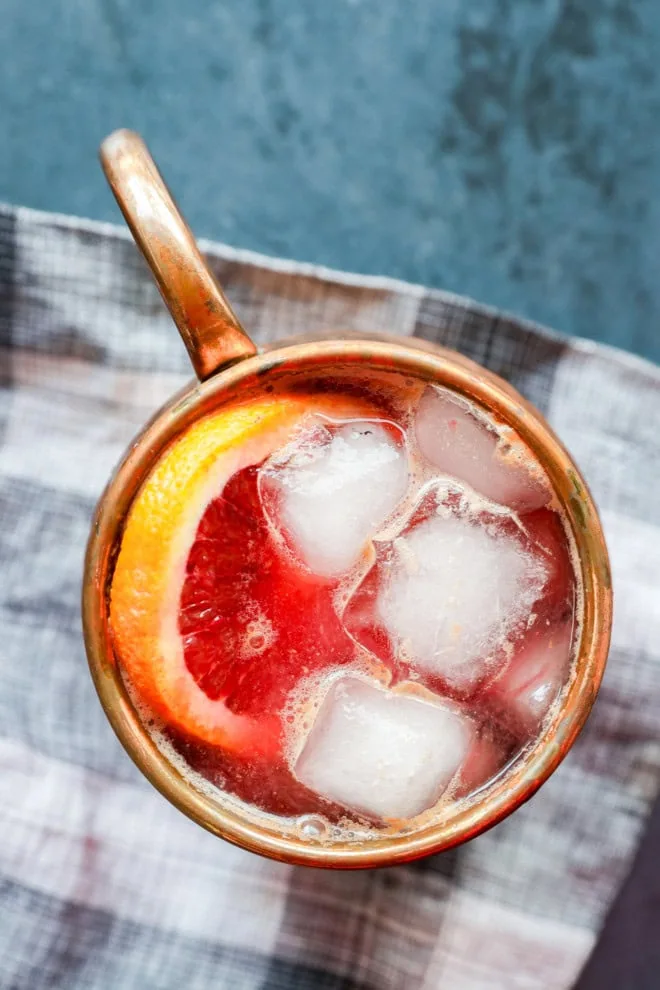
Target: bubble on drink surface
x=535, y=674
x=457, y=439
x=456, y=589
x=331, y=489
x=312, y=827
x=382, y=753
x=259, y=635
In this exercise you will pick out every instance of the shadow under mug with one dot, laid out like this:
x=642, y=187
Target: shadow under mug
x=228, y=367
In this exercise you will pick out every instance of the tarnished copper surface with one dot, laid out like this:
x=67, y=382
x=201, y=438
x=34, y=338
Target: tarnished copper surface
x=211, y=331
x=430, y=364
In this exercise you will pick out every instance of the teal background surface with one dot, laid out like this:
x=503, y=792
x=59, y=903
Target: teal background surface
x=504, y=149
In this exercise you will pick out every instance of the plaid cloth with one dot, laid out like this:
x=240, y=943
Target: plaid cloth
x=103, y=884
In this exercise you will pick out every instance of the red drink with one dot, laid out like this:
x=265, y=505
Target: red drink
x=366, y=615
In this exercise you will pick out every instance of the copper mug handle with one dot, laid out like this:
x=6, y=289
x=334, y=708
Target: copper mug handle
x=211, y=331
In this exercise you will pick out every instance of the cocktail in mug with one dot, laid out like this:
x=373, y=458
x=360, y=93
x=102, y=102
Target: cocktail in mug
x=353, y=602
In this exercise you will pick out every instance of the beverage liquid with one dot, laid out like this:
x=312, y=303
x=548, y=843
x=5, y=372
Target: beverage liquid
x=384, y=594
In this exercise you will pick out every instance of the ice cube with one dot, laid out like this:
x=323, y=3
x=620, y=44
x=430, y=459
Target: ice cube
x=382, y=753
x=334, y=488
x=533, y=678
x=484, y=760
x=459, y=443
x=457, y=589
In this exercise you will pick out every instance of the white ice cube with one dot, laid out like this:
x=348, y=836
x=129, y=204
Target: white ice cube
x=459, y=443
x=531, y=682
x=385, y=754
x=336, y=489
x=456, y=590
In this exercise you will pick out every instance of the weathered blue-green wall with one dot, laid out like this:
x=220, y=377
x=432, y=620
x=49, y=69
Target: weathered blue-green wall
x=507, y=149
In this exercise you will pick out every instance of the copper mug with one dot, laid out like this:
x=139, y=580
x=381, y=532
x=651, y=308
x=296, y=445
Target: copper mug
x=227, y=364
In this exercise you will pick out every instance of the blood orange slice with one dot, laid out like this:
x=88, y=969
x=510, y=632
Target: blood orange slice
x=253, y=620
x=199, y=630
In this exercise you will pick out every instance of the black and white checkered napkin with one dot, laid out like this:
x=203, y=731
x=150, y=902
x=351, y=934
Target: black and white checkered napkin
x=103, y=885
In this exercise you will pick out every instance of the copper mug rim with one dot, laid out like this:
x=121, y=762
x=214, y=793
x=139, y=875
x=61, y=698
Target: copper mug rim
x=169, y=246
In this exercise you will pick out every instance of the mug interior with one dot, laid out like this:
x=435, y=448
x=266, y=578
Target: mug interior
x=301, y=363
